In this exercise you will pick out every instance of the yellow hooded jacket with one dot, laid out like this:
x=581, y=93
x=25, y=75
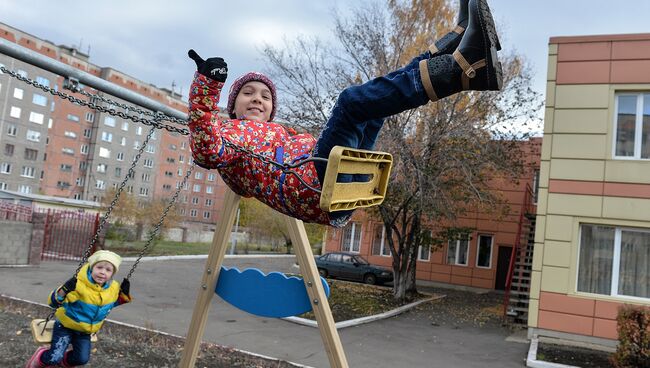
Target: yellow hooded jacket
x=86, y=307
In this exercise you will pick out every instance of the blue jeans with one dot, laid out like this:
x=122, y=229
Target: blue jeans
x=359, y=112
x=61, y=338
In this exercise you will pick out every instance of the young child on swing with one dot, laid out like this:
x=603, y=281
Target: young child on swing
x=82, y=304
x=464, y=59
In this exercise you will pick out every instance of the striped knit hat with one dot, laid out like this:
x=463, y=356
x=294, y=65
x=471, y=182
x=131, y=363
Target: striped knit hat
x=239, y=83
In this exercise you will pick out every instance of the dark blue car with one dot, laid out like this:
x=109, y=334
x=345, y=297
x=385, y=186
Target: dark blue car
x=351, y=267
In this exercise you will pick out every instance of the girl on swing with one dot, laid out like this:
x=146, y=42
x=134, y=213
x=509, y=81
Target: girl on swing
x=464, y=59
x=82, y=304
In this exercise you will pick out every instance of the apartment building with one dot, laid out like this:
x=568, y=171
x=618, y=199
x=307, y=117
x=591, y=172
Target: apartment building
x=53, y=147
x=592, y=244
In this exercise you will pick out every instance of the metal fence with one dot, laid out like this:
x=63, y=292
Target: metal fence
x=15, y=212
x=68, y=234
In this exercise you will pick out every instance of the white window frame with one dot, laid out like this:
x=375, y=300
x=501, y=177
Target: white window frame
x=15, y=112
x=107, y=136
x=39, y=100
x=104, y=152
x=5, y=168
x=478, y=249
x=28, y=172
x=36, y=118
x=616, y=261
x=33, y=135
x=18, y=93
x=354, y=228
x=109, y=121
x=457, y=252
x=12, y=130
x=638, y=128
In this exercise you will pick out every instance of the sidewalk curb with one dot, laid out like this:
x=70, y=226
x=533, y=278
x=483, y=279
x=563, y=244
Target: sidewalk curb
x=532, y=362
x=362, y=320
x=168, y=334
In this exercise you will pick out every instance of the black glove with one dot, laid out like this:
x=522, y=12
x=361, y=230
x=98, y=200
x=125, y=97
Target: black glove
x=125, y=286
x=69, y=285
x=213, y=68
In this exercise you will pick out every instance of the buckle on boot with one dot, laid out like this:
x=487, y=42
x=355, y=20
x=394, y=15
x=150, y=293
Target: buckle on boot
x=464, y=64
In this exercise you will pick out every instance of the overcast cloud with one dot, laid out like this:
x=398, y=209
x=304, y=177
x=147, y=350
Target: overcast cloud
x=149, y=39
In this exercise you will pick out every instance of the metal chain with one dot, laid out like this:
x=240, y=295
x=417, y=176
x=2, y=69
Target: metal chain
x=111, y=111
x=154, y=231
x=129, y=174
x=132, y=108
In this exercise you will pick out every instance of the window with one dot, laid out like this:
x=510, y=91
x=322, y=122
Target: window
x=100, y=184
x=43, y=81
x=195, y=200
x=457, y=252
x=614, y=261
x=424, y=252
x=101, y=168
x=136, y=144
x=90, y=117
x=146, y=177
x=83, y=165
x=31, y=154
x=63, y=184
x=66, y=167
x=87, y=133
x=120, y=156
x=180, y=172
x=181, y=158
x=351, y=237
x=183, y=145
x=70, y=134
x=118, y=172
x=83, y=149
x=150, y=149
x=5, y=168
x=3, y=185
x=138, y=130
x=208, y=189
x=172, y=147
x=67, y=151
x=198, y=175
x=148, y=162
x=104, y=152
x=18, y=93
x=12, y=130
x=193, y=213
x=39, y=100
x=33, y=136
x=36, y=118
x=484, y=251
x=109, y=121
x=144, y=192
x=211, y=177
x=22, y=73
x=107, y=137
x=206, y=214
x=196, y=188
x=25, y=189
x=379, y=244
x=15, y=112
x=73, y=117
x=79, y=182
x=9, y=150
x=27, y=172
x=125, y=126
x=632, y=137
x=208, y=202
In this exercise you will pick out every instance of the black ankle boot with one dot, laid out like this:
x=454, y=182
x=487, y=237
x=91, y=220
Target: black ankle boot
x=448, y=43
x=473, y=66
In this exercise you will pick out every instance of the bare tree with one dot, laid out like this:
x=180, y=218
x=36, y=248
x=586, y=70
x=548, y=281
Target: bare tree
x=446, y=153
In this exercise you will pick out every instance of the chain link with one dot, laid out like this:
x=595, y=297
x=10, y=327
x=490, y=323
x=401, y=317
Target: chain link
x=156, y=229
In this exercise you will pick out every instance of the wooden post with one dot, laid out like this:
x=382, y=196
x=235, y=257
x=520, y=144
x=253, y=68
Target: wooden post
x=316, y=293
x=209, y=280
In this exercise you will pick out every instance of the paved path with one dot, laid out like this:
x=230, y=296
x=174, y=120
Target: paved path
x=165, y=292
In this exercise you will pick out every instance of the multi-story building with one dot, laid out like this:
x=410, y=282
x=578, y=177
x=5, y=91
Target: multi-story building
x=54, y=147
x=592, y=244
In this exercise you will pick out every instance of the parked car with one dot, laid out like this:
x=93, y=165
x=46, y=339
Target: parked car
x=352, y=267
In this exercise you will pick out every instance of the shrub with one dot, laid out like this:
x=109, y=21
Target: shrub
x=633, y=338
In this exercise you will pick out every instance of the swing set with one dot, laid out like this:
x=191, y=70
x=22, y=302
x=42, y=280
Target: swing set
x=272, y=295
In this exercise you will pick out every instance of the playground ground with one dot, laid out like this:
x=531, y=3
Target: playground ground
x=432, y=335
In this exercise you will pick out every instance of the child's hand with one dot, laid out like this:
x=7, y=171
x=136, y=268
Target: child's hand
x=213, y=68
x=69, y=285
x=125, y=286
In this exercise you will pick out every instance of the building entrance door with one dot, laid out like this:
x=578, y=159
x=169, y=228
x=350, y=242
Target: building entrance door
x=503, y=263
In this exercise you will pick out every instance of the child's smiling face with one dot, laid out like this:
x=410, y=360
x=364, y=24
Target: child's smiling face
x=254, y=102
x=102, y=271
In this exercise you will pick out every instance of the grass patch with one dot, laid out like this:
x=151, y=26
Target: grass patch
x=172, y=248
x=350, y=300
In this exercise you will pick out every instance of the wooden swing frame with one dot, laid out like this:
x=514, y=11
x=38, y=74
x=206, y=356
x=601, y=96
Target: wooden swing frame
x=334, y=197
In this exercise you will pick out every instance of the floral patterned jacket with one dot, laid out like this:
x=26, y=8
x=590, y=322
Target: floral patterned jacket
x=245, y=174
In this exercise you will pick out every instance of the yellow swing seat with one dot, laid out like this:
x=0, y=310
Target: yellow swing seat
x=42, y=331
x=337, y=196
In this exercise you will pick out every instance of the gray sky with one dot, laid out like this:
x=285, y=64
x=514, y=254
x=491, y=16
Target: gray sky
x=149, y=39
